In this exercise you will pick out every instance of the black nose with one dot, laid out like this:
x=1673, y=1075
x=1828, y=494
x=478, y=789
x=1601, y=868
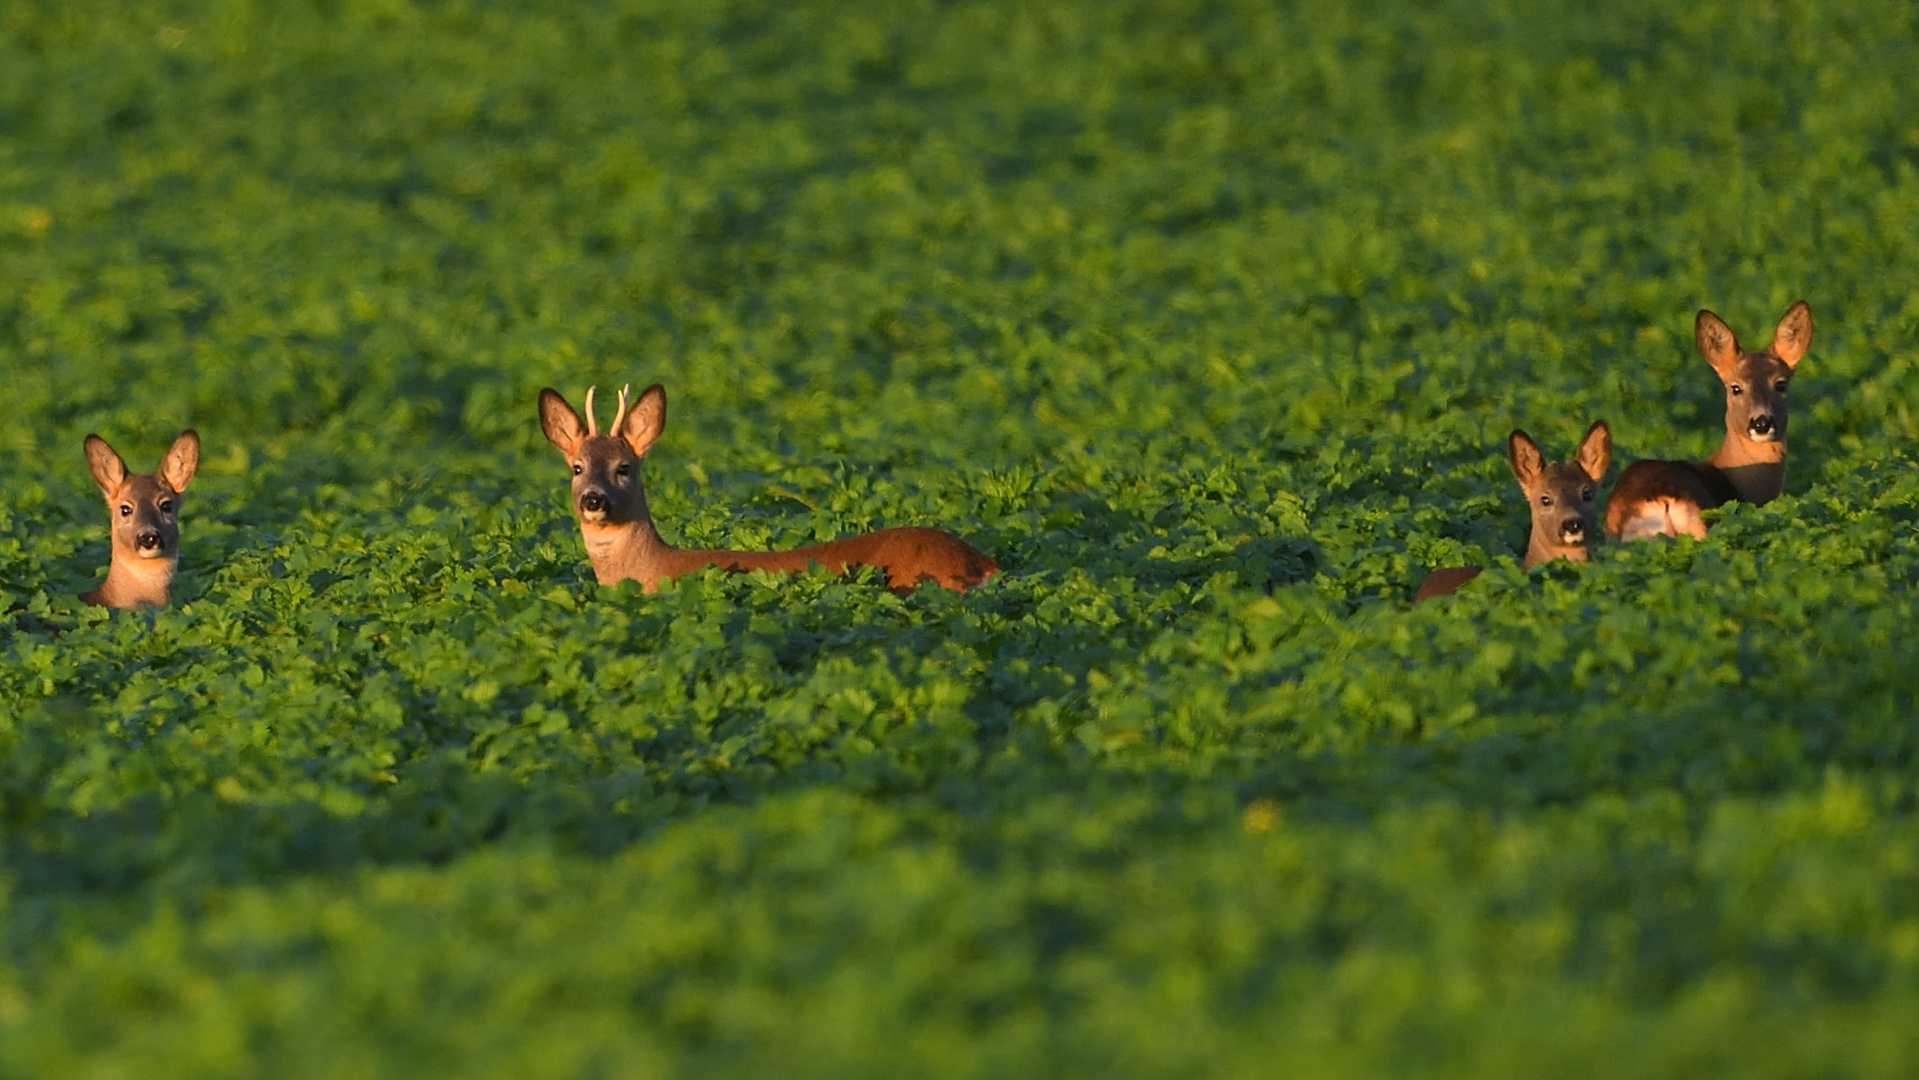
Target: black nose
x=593, y=502
x=1572, y=527
x=148, y=539
x=1760, y=425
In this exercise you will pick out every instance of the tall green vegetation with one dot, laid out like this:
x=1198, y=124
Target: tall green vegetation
x=1207, y=320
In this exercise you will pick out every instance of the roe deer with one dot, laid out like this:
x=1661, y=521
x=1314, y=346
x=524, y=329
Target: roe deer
x=610, y=503
x=1664, y=498
x=1562, y=497
x=144, y=514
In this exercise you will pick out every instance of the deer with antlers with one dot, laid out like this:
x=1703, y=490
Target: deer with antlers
x=621, y=541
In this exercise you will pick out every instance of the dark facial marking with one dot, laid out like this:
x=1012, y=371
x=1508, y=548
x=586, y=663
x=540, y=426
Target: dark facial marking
x=1564, y=503
x=148, y=520
x=605, y=485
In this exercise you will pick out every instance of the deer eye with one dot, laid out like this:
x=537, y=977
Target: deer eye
x=577, y=470
x=125, y=510
x=1545, y=500
x=166, y=506
x=624, y=470
x=1736, y=389
x=1587, y=494
x=1780, y=386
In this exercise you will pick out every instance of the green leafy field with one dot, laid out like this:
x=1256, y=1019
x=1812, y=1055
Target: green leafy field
x=1207, y=320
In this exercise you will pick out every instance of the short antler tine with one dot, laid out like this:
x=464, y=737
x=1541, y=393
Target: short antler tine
x=592, y=422
x=620, y=417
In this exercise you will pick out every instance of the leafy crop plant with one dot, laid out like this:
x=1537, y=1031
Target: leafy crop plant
x=1204, y=319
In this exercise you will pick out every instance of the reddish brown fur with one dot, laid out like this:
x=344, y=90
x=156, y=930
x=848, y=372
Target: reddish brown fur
x=1445, y=582
x=909, y=555
x=609, y=501
x=1664, y=498
x=1562, y=497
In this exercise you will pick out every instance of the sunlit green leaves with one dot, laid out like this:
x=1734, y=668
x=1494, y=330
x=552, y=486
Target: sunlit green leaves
x=1207, y=320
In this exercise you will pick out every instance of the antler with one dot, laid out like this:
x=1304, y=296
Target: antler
x=592, y=422
x=620, y=417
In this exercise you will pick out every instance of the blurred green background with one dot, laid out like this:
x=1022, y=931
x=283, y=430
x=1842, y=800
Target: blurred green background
x=1208, y=320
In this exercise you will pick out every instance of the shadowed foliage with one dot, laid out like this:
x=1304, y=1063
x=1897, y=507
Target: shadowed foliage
x=1206, y=320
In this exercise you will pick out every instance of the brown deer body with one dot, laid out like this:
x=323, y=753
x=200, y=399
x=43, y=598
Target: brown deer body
x=1563, y=498
x=144, y=515
x=1664, y=498
x=609, y=502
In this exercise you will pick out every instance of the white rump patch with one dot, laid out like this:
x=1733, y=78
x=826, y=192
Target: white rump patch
x=1667, y=517
x=1685, y=520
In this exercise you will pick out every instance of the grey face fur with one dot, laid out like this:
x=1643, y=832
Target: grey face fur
x=144, y=511
x=1564, y=496
x=606, y=468
x=1756, y=380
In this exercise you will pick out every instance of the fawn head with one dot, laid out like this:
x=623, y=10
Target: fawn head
x=1756, y=379
x=1563, y=495
x=606, y=468
x=144, y=510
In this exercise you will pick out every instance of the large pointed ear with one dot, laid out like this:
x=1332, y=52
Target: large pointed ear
x=1595, y=450
x=1528, y=463
x=646, y=420
x=183, y=457
x=108, y=470
x=561, y=425
x=1794, y=335
x=1716, y=343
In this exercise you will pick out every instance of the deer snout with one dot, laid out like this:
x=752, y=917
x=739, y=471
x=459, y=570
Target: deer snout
x=1572, y=530
x=592, y=503
x=147, y=541
x=1761, y=428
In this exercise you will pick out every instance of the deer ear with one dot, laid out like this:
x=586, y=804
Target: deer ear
x=646, y=420
x=108, y=470
x=1528, y=463
x=1794, y=335
x=183, y=457
x=1716, y=342
x=561, y=425
x=1595, y=450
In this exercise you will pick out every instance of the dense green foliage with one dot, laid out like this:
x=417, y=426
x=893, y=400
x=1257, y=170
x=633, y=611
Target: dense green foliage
x=1206, y=319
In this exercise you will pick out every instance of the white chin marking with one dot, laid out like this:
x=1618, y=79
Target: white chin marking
x=1770, y=436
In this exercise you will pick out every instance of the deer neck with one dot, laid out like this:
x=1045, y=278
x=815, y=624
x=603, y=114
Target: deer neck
x=134, y=582
x=1542, y=550
x=1757, y=471
x=630, y=550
